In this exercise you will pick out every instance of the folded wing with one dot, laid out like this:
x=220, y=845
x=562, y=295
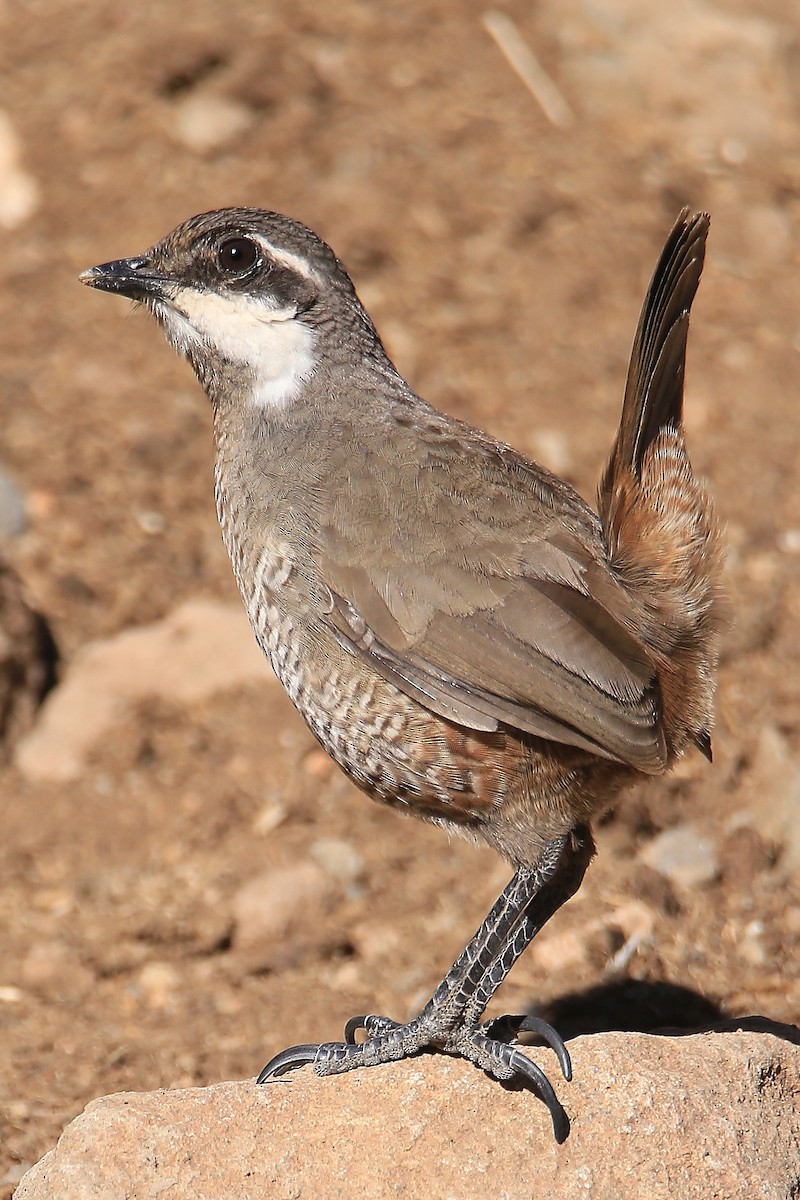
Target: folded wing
x=542, y=648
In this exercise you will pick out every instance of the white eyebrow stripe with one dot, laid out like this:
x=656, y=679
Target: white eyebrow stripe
x=293, y=262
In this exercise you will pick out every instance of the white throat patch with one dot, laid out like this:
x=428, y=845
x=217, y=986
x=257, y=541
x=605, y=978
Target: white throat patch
x=277, y=346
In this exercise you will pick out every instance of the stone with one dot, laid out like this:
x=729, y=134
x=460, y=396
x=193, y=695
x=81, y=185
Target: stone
x=374, y=941
x=710, y=1114
x=271, y=927
x=204, y=122
x=340, y=860
x=199, y=649
x=19, y=191
x=272, y=815
x=552, y=448
x=160, y=983
x=683, y=855
x=774, y=788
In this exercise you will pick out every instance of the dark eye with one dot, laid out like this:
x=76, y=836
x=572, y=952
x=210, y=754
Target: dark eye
x=237, y=255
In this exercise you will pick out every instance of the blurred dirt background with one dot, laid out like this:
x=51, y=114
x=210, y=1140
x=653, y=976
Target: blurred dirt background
x=200, y=888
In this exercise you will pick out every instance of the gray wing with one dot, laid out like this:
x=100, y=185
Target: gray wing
x=497, y=613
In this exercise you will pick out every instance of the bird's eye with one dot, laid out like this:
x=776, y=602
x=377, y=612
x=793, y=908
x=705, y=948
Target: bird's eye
x=237, y=255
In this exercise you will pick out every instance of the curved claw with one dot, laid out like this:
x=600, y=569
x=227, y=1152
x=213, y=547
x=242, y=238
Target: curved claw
x=353, y=1026
x=535, y=1075
x=552, y=1037
x=508, y=1027
x=288, y=1060
x=372, y=1026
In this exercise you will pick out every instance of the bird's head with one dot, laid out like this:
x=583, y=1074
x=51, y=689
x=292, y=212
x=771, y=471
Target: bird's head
x=248, y=294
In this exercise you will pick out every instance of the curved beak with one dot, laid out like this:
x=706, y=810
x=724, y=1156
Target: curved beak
x=132, y=277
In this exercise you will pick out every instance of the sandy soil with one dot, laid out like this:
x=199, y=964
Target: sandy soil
x=503, y=258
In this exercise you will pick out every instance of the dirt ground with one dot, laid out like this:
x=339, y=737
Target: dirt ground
x=504, y=258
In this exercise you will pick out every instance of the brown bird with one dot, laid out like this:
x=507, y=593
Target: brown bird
x=464, y=636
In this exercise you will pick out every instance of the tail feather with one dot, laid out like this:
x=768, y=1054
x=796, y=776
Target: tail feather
x=654, y=388
x=663, y=539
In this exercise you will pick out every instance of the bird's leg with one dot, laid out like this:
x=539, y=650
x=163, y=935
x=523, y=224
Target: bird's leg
x=559, y=881
x=450, y=1021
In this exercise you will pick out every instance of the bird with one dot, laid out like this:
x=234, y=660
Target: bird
x=465, y=636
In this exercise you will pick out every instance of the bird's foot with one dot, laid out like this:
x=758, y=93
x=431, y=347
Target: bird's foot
x=490, y=1045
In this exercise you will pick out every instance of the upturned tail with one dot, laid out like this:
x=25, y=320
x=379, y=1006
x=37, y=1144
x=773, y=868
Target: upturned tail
x=663, y=537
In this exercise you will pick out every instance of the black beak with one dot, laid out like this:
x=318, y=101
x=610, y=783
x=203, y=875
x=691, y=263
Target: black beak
x=132, y=277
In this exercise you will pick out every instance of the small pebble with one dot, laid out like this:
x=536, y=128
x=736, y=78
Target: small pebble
x=551, y=447
x=159, y=981
x=19, y=191
x=204, y=123
x=41, y=504
x=774, y=785
x=789, y=541
x=345, y=977
x=151, y=522
x=733, y=151
x=265, y=907
x=683, y=855
x=56, y=901
x=374, y=940
x=750, y=945
x=339, y=859
x=317, y=764
x=271, y=816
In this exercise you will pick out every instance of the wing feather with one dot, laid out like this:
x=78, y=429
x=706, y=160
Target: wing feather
x=492, y=601
x=538, y=655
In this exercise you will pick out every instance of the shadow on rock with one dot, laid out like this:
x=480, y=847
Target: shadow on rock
x=637, y=1006
x=630, y=1005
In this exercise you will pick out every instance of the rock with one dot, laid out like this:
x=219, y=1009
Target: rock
x=19, y=191
x=683, y=855
x=27, y=660
x=789, y=541
x=271, y=926
x=711, y=1114
x=272, y=815
x=197, y=650
x=374, y=941
x=160, y=984
x=340, y=860
x=204, y=122
x=552, y=448
x=774, y=788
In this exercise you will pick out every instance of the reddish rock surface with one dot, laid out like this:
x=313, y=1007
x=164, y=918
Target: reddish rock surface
x=197, y=650
x=701, y=1116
